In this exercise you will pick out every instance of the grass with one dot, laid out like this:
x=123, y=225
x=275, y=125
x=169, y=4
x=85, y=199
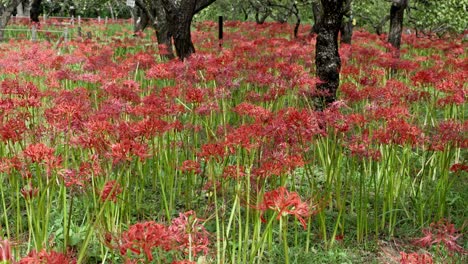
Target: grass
x=110, y=155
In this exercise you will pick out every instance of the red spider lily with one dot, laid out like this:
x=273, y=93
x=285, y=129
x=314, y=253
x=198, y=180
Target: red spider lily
x=29, y=192
x=184, y=262
x=399, y=132
x=361, y=146
x=442, y=232
x=43, y=256
x=194, y=95
x=8, y=164
x=128, y=91
x=12, y=130
x=415, y=258
x=459, y=167
x=257, y=112
x=248, y=136
x=189, y=233
x=233, y=172
x=449, y=133
x=110, y=191
x=126, y=149
x=5, y=251
x=212, y=151
x=285, y=203
x=75, y=180
x=190, y=166
x=144, y=237
x=40, y=153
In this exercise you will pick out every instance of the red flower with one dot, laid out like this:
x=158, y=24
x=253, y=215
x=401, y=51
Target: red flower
x=442, y=232
x=43, y=256
x=190, y=165
x=144, y=237
x=124, y=151
x=5, y=251
x=415, y=258
x=38, y=152
x=110, y=191
x=189, y=233
x=285, y=203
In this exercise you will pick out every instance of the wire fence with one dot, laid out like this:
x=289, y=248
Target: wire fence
x=55, y=28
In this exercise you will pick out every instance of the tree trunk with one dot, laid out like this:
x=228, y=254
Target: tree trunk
x=317, y=11
x=35, y=10
x=327, y=58
x=397, y=12
x=179, y=15
x=163, y=33
x=346, y=29
x=5, y=14
x=141, y=20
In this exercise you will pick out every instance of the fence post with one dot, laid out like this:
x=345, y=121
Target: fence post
x=220, y=31
x=99, y=19
x=79, y=20
x=65, y=34
x=73, y=20
x=44, y=18
x=106, y=21
x=33, y=33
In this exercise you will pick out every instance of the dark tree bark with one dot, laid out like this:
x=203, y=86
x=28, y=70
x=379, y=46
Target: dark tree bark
x=327, y=58
x=163, y=33
x=141, y=20
x=5, y=14
x=298, y=19
x=260, y=18
x=156, y=16
x=346, y=30
x=179, y=15
x=317, y=11
x=35, y=10
x=397, y=12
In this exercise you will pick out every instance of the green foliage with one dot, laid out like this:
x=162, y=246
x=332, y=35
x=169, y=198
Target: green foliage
x=447, y=15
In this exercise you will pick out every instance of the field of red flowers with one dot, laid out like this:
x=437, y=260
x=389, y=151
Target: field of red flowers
x=109, y=155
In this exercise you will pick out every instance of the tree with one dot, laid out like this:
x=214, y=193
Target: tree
x=346, y=29
x=153, y=13
x=35, y=10
x=327, y=58
x=179, y=15
x=317, y=13
x=397, y=11
x=6, y=9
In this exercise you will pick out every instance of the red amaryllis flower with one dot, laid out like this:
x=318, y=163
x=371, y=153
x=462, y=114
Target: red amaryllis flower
x=144, y=237
x=5, y=251
x=43, y=256
x=124, y=151
x=442, y=232
x=285, y=203
x=190, y=166
x=110, y=191
x=189, y=233
x=415, y=258
x=38, y=152
x=29, y=192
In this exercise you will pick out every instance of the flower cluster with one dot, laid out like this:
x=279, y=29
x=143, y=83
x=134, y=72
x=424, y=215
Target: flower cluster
x=186, y=234
x=285, y=203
